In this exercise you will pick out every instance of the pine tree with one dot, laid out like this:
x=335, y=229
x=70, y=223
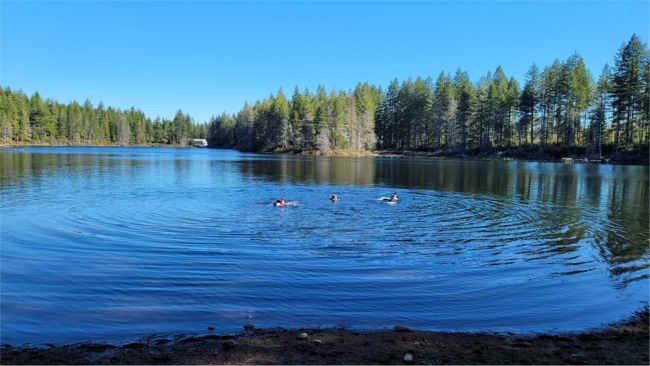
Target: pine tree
x=367, y=101
x=8, y=115
x=180, y=126
x=278, y=125
x=527, y=110
x=296, y=115
x=628, y=91
x=552, y=94
x=260, y=111
x=387, y=117
x=600, y=112
x=40, y=118
x=529, y=100
x=320, y=125
x=244, y=133
x=103, y=130
x=465, y=98
x=341, y=127
x=443, y=110
x=422, y=104
x=123, y=130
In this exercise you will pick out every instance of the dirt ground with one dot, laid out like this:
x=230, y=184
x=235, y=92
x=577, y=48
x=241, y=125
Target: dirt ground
x=620, y=344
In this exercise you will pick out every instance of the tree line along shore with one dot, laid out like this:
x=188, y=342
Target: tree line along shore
x=560, y=111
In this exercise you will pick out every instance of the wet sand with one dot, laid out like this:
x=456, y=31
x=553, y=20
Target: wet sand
x=620, y=344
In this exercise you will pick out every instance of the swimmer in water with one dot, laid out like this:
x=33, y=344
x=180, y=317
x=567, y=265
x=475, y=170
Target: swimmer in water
x=334, y=198
x=393, y=198
x=280, y=203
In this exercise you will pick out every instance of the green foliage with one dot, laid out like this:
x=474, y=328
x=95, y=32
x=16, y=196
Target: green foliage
x=630, y=94
x=559, y=107
x=25, y=120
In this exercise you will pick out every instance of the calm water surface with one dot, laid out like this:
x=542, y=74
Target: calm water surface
x=119, y=243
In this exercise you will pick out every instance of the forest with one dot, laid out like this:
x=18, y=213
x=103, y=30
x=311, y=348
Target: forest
x=560, y=109
x=34, y=121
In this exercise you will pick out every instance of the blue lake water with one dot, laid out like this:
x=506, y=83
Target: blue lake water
x=119, y=243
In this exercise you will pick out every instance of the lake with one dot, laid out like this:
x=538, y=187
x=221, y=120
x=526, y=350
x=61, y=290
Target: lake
x=108, y=244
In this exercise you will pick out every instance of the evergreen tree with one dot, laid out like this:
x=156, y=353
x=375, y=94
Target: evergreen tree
x=444, y=110
x=222, y=132
x=341, y=129
x=244, y=133
x=628, y=91
x=465, y=95
x=62, y=123
x=529, y=101
x=405, y=114
x=499, y=101
x=180, y=126
x=8, y=115
x=388, y=116
x=645, y=105
x=527, y=110
x=40, y=119
x=123, y=130
x=480, y=131
x=422, y=105
x=552, y=93
x=559, y=108
x=599, y=114
x=296, y=115
x=260, y=110
x=278, y=128
x=581, y=94
x=320, y=126
x=75, y=123
x=367, y=100
x=103, y=126
x=512, y=98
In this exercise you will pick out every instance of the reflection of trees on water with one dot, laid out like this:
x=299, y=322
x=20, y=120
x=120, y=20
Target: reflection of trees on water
x=312, y=169
x=600, y=205
x=25, y=169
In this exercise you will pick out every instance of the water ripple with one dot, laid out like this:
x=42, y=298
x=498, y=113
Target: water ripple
x=128, y=246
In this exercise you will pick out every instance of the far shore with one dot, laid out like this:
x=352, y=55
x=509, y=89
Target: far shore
x=626, y=343
x=519, y=154
x=619, y=158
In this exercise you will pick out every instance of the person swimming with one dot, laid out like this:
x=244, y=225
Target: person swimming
x=280, y=203
x=393, y=198
x=334, y=198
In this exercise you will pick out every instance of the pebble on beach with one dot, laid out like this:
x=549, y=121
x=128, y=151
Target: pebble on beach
x=302, y=336
x=399, y=328
x=229, y=344
x=408, y=358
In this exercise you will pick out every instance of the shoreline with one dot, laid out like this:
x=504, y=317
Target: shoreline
x=520, y=154
x=623, y=343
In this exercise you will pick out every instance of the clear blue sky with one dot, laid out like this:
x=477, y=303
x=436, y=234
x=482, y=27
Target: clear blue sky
x=209, y=57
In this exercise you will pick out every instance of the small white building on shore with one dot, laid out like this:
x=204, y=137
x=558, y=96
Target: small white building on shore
x=200, y=142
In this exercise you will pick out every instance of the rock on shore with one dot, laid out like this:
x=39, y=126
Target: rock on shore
x=625, y=343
